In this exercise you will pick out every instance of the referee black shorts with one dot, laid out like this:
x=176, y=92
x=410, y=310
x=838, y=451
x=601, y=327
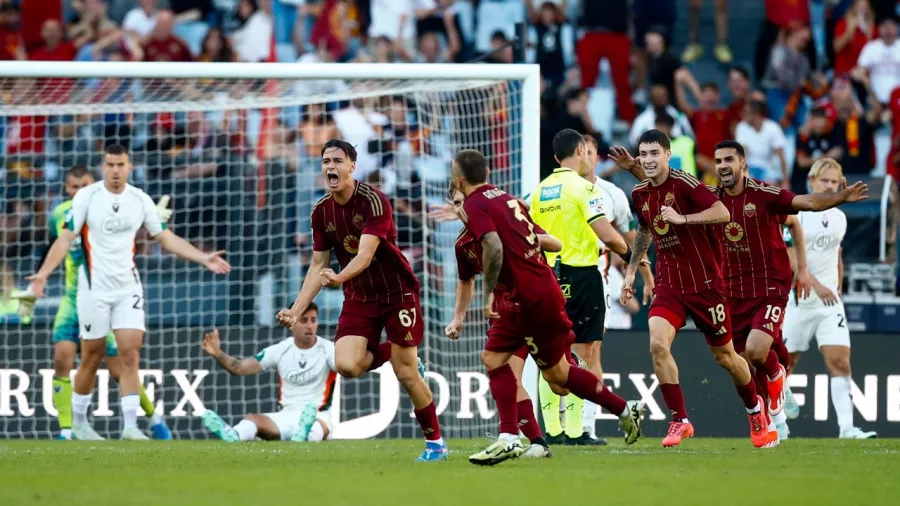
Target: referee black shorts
x=585, y=301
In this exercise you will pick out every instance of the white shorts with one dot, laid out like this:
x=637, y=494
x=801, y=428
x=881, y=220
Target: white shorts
x=100, y=312
x=288, y=421
x=828, y=324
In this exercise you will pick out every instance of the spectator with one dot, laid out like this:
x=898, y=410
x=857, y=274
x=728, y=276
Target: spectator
x=12, y=47
x=139, y=22
x=430, y=49
x=855, y=126
x=576, y=115
x=763, y=142
x=649, y=15
x=53, y=47
x=446, y=23
x=396, y=20
x=694, y=51
x=780, y=15
x=383, y=51
x=333, y=27
x=881, y=57
x=91, y=26
x=163, y=45
x=659, y=103
x=709, y=120
x=788, y=70
x=501, y=48
x=817, y=139
x=851, y=34
x=661, y=63
x=555, y=44
x=739, y=88
x=191, y=21
x=682, y=147
x=605, y=26
x=215, y=47
x=252, y=42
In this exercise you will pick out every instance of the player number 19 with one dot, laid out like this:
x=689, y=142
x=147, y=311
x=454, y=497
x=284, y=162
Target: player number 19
x=517, y=210
x=405, y=319
x=773, y=312
x=717, y=313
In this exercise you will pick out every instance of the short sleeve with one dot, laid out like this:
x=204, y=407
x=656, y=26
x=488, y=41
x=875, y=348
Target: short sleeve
x=463, y=265
x=320, y=240
x=379, y=217
x=702, y=197
x=152, y=223
x=539, y=230
x=589, y=199
x=867, y=55
x=329, y=354
x=777, y=136
x=78, y=215
x=782, y=203
x=480, y=221
x=624, y=219
x=640, y=215
x=268, y=358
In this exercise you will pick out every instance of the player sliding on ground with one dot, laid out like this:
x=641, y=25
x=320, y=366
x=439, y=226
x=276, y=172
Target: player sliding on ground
x=305, y=366
x=511, y=255
x=503, y=335
x=107, y=216
x=355, y=221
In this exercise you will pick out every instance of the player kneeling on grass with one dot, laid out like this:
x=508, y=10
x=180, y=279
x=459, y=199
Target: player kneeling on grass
x=305, y=364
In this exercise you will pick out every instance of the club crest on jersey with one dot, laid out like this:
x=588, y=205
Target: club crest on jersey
x=351, y=244
x=551, y=193
x=330, y=227
x=670, y=199
x=357, y=221
x=660, y=225
x=734, y=232
x=750, y=210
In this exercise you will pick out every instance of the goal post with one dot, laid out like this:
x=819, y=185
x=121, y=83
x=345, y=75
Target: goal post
x=234, y=145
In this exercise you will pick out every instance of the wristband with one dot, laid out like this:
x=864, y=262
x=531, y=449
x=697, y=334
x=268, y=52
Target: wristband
x=627, y=255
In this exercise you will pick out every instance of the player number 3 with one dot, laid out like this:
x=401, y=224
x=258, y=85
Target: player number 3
x=517, y=210
x=405, y=319
x=717, y=313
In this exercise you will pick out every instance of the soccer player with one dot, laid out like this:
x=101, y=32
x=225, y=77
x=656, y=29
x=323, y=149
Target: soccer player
x=511, y=255
x=821, y=314
x=306, y=370
x=355, y=220
x=503, y=333
x=65, y=327
x=676, y=210
x=107, y=216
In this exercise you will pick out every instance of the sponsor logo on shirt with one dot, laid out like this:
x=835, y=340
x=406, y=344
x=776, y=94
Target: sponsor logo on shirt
x=660, y=225
x=116, y=225
x=551, y=193
x=749, y=210
x=351, y=244
x=734, y=231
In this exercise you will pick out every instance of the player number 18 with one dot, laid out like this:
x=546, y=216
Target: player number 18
x=517, y=210
x=717, y=313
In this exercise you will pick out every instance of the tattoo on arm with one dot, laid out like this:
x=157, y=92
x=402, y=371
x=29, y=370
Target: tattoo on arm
x=641, y=245
x=228, y=362
x=491, y=261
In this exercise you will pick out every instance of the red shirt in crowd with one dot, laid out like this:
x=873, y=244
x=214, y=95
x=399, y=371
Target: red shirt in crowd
x=846, y=58
x=734, y=114
x=783, y=13
x=893, y=162
x=169, y=49
x=710, y=127
x=62, y=52
x=10, y=43
x=25, y=134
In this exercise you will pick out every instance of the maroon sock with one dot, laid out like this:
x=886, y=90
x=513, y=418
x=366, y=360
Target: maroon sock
x=584, y=384
x=380, y=355
x=428, y=421
x=527, y=422
x=503, y=389
x=770, y=366
x=674, y=399
x=762, y=384
x=748, y=394
x=784, y=356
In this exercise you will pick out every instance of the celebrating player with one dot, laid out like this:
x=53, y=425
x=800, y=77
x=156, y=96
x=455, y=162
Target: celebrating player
x=821, y=314
x=502, y=335
x=107, y=216
x=676, y=209
x=381, y=292
x=305, y=366
x=511, y=255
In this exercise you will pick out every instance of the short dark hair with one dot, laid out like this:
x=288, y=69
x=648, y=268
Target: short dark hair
x=709, y=85
x=115, y=149
x=654, y=136
x=575, y=93
x=78, y=171
x=473, y=165
x=565, y=142
x=740, y=70
x=592, y=140
x=499, y=36
x=664, y=118
x=311, y=307
x=732, y=144
x=341, y=144
x=759, y=107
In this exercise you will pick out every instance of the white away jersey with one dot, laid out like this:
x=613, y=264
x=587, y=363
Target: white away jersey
x=107, y=224
x=823, y=231
x=306, y=375
x=615, y=202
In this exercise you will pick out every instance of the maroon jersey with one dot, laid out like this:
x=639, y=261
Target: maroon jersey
x=524, y=272
x=757, y=263
x=338, y=228
x=689, y=257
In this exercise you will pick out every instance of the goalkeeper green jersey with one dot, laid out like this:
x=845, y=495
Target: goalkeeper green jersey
x=74, y=259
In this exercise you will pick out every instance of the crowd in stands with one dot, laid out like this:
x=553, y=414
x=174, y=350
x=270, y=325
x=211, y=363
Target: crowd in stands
x=824, y=81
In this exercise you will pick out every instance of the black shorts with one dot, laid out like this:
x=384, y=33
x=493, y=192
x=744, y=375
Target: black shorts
x=585, y=301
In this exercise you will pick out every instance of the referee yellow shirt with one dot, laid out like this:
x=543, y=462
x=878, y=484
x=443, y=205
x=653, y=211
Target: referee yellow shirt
x=565, y=204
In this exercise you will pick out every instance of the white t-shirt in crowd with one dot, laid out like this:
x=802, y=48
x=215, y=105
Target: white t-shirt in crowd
x=883, y=63
x=139, y=22
x=253, y=40
x=646, y=120
x=760, y=146
x=386, y=17
x=306, y=375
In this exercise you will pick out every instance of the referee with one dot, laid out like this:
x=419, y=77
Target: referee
x=570, y=208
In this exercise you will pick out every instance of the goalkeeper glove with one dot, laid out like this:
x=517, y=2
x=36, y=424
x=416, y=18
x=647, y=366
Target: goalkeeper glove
x=27, y=301
x=162, y=208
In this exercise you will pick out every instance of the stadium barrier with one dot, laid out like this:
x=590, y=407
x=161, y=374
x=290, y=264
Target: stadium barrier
x=374, y=406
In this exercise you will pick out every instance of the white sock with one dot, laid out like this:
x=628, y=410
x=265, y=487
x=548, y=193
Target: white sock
x=505, y=436
x=156, y=418
x=589, y=417
x=80, y=405
x=246, y=430
x=840, y=398
x=439, y=441
x=130, y=405
x=780, y=418
x=316, y=433
x=754, y=409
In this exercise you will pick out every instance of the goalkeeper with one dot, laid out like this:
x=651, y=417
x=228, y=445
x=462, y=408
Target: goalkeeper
x=305, y=366
x=65, y=327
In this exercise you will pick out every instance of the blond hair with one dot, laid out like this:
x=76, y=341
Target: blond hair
x=823, y=164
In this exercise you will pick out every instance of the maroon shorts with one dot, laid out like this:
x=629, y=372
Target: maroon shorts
x=401, y=320
x=503, y=335
x=547, y=331
x=763, y=313
x=708, y=309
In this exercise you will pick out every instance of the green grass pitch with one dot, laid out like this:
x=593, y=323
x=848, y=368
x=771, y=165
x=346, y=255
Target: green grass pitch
x=382, y=472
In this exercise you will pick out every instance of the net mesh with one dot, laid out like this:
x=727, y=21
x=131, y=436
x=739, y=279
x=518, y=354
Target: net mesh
x=240, y=160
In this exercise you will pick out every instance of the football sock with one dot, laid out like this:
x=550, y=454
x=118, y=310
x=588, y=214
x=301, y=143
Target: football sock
x=246, y=430
x=771, y=366
x=549, y=402
x=574, y=411
x=130, y=405
x=503, y=390
x=674, y=399
x=747, y=394
x=527, y=423
x=587, y=386
x=316, y=433
x=784, y=356
x=62, y=401
x=762, y=384
x=840, y=398
x=80, y=405
x=380, y=355
x=588, y=417
x=428, y=421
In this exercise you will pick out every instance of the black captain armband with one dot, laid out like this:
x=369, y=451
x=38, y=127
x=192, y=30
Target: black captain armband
x=626, y=256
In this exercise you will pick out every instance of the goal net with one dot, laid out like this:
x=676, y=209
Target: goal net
x=237, y=148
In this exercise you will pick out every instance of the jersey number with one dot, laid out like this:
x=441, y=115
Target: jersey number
x=773, y=312
x=717, y=313
x=405, y=320
x=137, y=302
x=841, y=323
x=517, y=210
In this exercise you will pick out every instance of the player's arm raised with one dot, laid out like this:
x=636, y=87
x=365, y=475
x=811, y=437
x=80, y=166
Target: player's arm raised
x=625, y=161
x=183, y=249
x=826, y=200
x=801, y=270
x=235, y=366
